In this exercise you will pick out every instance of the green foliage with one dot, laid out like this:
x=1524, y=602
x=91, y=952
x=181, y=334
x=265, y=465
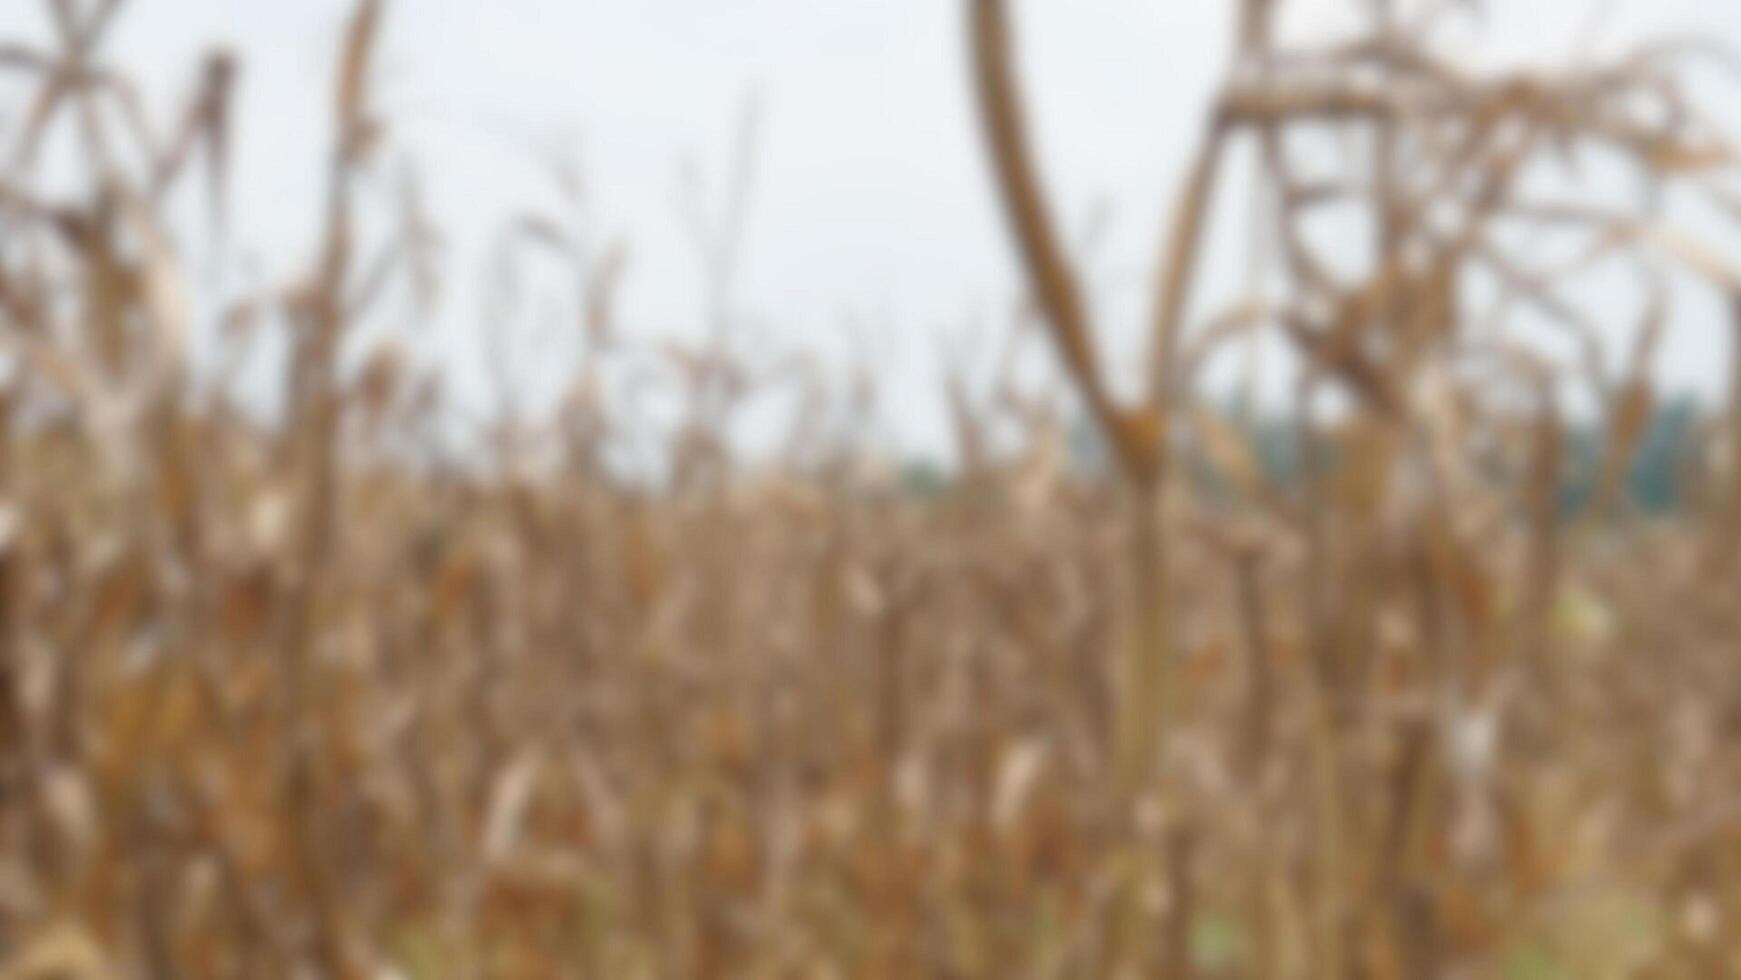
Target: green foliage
x=1657, y=482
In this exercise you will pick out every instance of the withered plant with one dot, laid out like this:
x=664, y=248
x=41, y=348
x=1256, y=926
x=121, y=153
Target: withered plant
x=366, y=683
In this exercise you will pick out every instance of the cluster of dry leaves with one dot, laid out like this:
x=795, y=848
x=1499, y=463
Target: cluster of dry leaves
x=299, y=699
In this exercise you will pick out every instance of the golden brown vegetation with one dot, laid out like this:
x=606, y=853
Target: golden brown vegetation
x=298, y=700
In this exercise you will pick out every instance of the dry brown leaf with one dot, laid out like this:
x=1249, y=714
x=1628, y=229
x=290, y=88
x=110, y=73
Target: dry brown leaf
x=351, y=92
x=66, y=951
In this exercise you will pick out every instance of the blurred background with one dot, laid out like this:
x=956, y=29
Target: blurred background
x=870, y=489
x=868, y=214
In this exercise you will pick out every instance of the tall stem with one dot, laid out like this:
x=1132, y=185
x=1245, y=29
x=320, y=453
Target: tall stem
x=1146, y=681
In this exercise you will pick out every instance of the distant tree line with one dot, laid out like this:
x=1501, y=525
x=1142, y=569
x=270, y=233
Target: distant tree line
x=1660, y=480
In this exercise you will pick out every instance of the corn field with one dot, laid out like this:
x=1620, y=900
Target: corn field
x=304, y=694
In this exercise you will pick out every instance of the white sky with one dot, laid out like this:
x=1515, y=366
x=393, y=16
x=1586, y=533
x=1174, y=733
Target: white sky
x=872, y=195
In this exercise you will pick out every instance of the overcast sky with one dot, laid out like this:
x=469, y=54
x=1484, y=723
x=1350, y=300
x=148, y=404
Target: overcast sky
x=871, y=193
